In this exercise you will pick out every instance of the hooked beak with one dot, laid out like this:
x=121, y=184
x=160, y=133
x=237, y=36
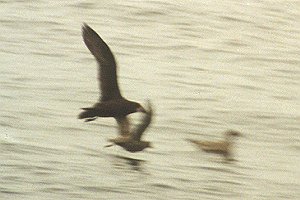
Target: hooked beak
x=141, y=109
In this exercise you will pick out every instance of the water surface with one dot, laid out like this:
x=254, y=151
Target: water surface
x=207, y=67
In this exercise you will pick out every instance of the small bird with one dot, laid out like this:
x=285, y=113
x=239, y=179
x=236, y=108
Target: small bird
x=131, y=141
x=219, y=147
x=111, y=102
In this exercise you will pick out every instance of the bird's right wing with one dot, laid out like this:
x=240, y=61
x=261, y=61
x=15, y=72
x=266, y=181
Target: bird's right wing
x=123, y=125
x=146, y=120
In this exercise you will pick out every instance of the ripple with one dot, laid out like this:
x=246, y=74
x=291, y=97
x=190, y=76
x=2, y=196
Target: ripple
x=20, y=148
x=84, y=5
x=164, y=186
x=54, y=189
x=10, y=192
x=101, y=189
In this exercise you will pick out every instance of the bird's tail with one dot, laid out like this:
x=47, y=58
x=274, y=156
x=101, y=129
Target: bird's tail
x=87, y=113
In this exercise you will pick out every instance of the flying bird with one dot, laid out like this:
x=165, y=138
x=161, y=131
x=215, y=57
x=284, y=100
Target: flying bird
x=219, y=147
x=131, y=140
x=111, y=102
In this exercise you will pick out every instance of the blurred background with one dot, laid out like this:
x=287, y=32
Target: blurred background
x=206, y=66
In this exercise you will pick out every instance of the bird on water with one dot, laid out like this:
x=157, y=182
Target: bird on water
x=131, y=140
x=111, y=102
x=219, y=147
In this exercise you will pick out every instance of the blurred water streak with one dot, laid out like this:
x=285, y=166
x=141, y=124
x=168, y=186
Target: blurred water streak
x=207, y=66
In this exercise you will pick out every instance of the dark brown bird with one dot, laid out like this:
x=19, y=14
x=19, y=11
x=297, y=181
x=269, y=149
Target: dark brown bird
x=220, y=147
x=131, y=141
x=111, y=103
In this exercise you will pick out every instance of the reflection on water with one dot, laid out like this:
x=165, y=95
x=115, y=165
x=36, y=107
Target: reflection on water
x=122, y=162
x=206, y=67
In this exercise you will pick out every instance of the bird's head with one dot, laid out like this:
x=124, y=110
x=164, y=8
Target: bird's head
x=140, y=108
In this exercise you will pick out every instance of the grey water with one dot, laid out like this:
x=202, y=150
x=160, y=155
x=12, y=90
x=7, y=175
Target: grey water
x=207, y=66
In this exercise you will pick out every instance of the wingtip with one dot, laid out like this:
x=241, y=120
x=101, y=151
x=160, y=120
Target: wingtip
x=86, y=29
x=148, y=101
x=84, y=25
x=149, y=106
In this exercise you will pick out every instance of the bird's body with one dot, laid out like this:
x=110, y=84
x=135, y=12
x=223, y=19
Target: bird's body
x=131, y=141
x=219, y=147
x=111, y=103
x=113, y=108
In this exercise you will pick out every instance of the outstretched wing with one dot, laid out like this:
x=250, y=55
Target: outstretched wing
x=107, y=74
x=146, y=120
x=123, y=125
